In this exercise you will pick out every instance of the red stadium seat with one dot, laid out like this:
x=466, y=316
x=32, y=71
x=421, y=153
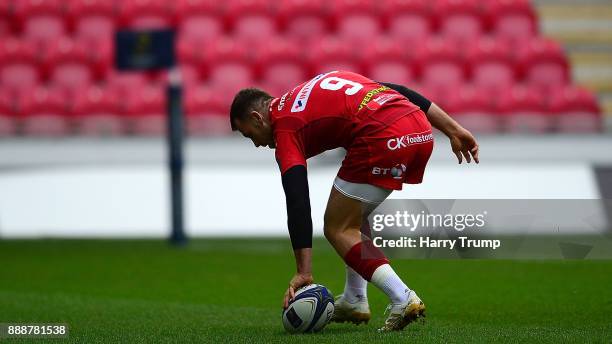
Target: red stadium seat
x=576, y=111
x=359, y=28
x=333, y=54
x=40, y=20
x=5, y=18
x=460, y=19
x=228, y=67
x=4, y=27
x=358, y=21
x=544, y=64
x=303, y=20
x=93, y=19
x=225, y=50
x=96, y=113
x=525, y=111
x=145, y=109
x=200, y=20
x=201, y=28
x=124, y=82
x=512, y=20
x=474, y=109
x=43, y=113
x=8, y=125
x=281, y=66
x=251, y=21
x=70, y=69
x=254, y=29
x=18, y=65
x=442, y=68
x=228, y=78
x=492, y=66
x=206, y=116
x=388, y=60
x=146, y=14
x=190, y=51
x=341, y=9
x=409, y=21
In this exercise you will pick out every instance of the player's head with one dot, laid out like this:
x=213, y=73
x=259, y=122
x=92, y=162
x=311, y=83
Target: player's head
x=250, y=115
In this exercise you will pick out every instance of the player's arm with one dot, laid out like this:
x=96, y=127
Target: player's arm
x=463, y=143
x=289, y=154
x=299, y=221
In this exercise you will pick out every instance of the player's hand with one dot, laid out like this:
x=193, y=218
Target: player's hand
x=298, y=281
x=464, y=145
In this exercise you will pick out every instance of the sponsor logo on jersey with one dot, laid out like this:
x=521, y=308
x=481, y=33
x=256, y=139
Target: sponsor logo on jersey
x=381, y=100
x=366, y=99
x=281, y=103
x=301, y=99
x=406, y=140
x=396, y=171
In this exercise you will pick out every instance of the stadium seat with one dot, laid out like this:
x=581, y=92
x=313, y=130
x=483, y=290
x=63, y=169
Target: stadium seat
x=576, y=111
x=18, y=65
x=474, y=109
x=4, y=27
x=511, y=20
x=254, y=29
x=124, y=82
x=225, y=50
x=41, y=21
x=409, y=21
x=144, y=110
x=303, y=20
x=206, y=116
x=491, y=65
x=387, y=60
x=199, y=20
x=359, y=28
x=356, y=21
x=96, y=113
x=93, y=19
x=146, y=14
x=8, y=125
x=442, y=66
x=544, y=64
x=69, y=67
x=332, y=53
x=251, y=21
x=227, y=65
x=201, y=28
x=228, y=78
x=43, y=113
x=5, y=18
x=524, y=111
x=459, y=19
x=280, y=66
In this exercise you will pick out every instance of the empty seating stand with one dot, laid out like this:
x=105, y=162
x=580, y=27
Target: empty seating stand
x=484, y=60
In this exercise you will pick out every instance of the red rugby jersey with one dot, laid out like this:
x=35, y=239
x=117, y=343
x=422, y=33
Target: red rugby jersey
x=328, y=112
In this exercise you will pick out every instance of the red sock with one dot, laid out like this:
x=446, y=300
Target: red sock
x=365, y=258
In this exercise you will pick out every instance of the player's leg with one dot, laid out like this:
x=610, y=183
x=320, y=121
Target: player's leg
x=355, y=287
x=343, y=219
x=352, y=305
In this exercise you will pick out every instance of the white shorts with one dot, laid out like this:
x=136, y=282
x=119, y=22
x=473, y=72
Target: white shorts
x=362, y=192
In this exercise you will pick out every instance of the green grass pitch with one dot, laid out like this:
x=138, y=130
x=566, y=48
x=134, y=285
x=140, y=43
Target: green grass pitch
x=230, y=290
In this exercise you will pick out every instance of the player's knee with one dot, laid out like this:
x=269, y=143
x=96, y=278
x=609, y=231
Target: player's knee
x=330, y=234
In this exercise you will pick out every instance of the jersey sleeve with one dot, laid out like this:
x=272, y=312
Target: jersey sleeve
x=289, y=150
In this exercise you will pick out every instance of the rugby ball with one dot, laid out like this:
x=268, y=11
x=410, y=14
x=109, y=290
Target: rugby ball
x=310, y=310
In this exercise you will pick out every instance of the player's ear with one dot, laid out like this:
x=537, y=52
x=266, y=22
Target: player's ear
x=257, y=118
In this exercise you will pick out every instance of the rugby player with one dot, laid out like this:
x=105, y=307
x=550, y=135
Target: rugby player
x=386, y=130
